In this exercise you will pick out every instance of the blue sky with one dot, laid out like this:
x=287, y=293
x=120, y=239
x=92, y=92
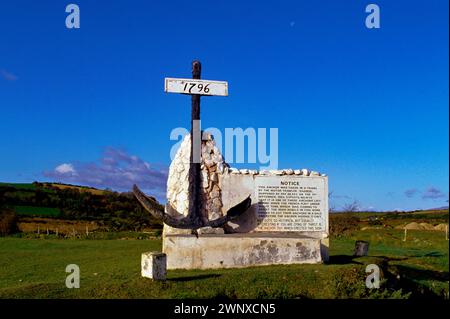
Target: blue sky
x=368, y=107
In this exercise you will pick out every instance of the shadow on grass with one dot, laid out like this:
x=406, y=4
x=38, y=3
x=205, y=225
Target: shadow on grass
x=434, y=254
x=193, y=278
x=422, y=274
x=409, y=279
x=343, y=260
x=386, y=259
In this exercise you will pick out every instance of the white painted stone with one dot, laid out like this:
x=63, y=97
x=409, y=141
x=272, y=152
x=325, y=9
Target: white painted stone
x=208, y=162
x=234, y=170
x=297, y=172
x=220, y=167
x=244, y=171
x=206, y=136
x=215, y=193
x=215, y=215
x=289, y=171
x=205, y=179
x=216, y=151
x=305, y=172
x=210, y=230
x=154, y=265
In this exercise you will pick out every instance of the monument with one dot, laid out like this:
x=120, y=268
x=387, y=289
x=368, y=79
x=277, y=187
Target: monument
x=221, y=217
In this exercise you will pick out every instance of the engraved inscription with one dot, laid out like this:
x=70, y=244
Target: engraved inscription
x=291, y=203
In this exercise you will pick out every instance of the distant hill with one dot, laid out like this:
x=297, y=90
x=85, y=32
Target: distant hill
x=439, y=208
x=91, y=190
x=117, y=211
x=35, y=185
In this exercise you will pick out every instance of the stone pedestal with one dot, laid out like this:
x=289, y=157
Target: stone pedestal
x=211, y=251
x=154, y=265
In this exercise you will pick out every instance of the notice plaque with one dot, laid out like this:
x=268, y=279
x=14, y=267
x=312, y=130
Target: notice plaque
x=292, y=203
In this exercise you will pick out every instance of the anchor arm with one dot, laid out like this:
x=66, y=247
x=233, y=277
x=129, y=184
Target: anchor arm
x=150, y=205
x=233, y=213
x=177, y=220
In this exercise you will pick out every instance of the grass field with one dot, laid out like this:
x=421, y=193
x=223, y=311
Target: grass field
x=80, y=188
x=36, y=211
x=417, y=268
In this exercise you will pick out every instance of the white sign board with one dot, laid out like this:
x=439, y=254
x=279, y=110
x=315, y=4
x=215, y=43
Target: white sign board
x=290, y=203
x=200, y=87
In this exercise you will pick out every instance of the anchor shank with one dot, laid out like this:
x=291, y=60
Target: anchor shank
x=195, y=157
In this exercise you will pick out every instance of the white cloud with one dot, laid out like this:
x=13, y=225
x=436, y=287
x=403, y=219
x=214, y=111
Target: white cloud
x=66, y=169
x=117, y=170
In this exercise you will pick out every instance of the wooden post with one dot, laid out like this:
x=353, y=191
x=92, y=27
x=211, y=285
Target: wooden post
x=404, y=237
x=39, y=230
x=47, y=231
x=87, y=230
x=56, y=232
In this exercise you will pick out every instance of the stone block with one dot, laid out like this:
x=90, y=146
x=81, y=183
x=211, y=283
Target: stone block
x=361, y=248
x=154, y=265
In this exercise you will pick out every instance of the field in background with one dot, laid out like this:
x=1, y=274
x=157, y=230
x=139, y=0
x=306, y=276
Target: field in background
x=33, y=211
x=32, y=186
x=26, y=186
x=105, y=233
x=79, y=188
x=416, y=268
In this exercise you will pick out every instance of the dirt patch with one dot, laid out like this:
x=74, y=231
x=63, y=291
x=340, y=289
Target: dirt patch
x=422, y=226
x=441, y=227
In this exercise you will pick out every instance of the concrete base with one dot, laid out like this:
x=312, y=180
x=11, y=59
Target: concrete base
x=211, y=251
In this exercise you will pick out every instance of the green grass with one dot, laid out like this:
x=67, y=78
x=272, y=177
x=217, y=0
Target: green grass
x=111, y=269
x=37, y=211
x=26, y=186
